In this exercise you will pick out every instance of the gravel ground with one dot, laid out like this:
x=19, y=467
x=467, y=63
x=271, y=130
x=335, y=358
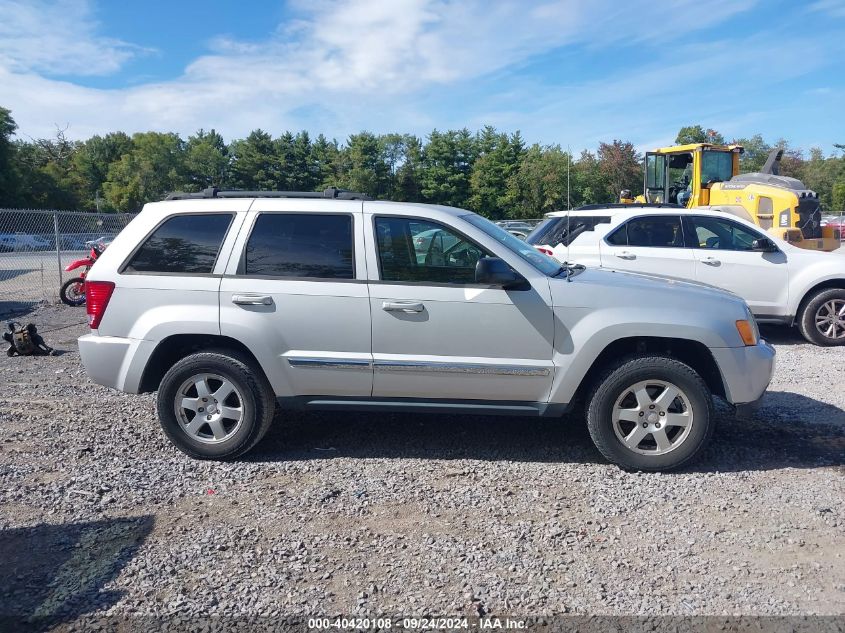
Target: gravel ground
x=354, y=514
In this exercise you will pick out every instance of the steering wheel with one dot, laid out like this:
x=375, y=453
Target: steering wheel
x=674, y=189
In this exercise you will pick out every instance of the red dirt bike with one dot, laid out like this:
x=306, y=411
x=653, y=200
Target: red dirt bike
x=73, y=290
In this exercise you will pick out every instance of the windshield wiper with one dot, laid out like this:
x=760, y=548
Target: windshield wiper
x=569, y=270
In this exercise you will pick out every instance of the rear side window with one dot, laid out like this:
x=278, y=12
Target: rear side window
x=659, y=231
x=183, y=244
x=318, y=245
x=619, y=237
x=562, y=230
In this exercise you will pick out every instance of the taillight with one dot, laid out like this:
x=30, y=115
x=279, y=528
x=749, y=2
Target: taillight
x=545, y=250
x=97, y=295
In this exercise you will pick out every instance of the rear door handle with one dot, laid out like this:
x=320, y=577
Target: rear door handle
x=626, y=255
x=252, y=300
x=402, y=306
x=710, y=261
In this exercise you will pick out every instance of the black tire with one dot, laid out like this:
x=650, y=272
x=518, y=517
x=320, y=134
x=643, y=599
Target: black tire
x=76, y=300
x=614, y=384
x=807, y=317
x=255, y=394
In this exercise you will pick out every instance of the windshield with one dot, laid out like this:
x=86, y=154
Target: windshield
x=544, y=264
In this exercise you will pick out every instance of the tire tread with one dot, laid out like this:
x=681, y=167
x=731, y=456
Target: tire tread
x=806, y=319
x=631, y=364
x=255, y=382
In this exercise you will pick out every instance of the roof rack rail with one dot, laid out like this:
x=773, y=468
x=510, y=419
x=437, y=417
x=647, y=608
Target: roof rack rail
x=213, y=192
x=629, y=205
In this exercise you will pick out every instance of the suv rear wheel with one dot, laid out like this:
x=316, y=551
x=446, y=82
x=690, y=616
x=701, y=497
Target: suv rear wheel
x=650, y=413
x=822, y=320
x=214, y=406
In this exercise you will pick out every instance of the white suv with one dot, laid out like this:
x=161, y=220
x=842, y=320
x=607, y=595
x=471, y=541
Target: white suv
x=228, y=303
x=781, y=283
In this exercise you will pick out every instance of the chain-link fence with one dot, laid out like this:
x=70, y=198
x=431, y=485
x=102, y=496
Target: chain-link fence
x=36, y=246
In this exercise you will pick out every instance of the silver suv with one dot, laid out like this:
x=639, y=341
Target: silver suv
x=231, y=303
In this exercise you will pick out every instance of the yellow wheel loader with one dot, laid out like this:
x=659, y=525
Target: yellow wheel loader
x=707, y=176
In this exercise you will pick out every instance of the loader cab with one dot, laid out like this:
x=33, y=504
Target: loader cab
x=684, y=174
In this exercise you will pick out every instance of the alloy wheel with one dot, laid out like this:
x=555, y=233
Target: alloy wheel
x=209, y=408
x=830, y=319
x=652, y=417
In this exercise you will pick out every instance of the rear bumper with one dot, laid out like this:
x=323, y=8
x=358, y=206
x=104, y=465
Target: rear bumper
x=746, y=373
x=113, y=361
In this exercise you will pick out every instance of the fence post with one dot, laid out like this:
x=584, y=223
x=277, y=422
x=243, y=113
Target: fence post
x=58, y=246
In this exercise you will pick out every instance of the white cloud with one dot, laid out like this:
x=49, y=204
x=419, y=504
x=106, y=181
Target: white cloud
x=684, y=88
x=834, y=8
x=358, y=63
x=57, y=38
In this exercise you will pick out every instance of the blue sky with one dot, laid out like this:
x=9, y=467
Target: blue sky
x=571, y=72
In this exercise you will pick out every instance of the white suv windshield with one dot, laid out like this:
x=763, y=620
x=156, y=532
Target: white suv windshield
x=543, y=263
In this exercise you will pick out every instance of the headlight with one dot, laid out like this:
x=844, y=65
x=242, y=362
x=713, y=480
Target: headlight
x=747, y=328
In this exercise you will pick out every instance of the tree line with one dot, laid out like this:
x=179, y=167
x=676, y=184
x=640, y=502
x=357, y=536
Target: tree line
x=491, y=172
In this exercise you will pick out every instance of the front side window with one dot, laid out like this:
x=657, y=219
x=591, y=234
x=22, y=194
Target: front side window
x=655, y=166
x=716, y=167
x=186, y=244
x=317, y=245
x=656, y=231
x=416, y=250
x=723, y=235
x=680, y=177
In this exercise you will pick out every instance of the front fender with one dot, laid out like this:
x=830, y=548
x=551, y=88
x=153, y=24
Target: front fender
x=808, y=278
x=79, y=263
x=582, y=334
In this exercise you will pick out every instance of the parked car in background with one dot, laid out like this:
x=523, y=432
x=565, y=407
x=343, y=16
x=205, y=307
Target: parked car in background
x=781, y=283
x=517, y=228
x=24, y=242
x=227, y=305
x=836, y=221
x=515, y=225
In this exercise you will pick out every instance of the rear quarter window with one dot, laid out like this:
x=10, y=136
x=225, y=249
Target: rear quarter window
x=562, y=230
x=187, y=244
x=619, y=237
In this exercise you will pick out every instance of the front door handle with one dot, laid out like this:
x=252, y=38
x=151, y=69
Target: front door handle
x=710, y=261
x=252, y=300
x=626, y=255
x=402, y=306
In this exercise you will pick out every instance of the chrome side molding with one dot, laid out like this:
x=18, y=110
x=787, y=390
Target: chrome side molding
x=459, y=368
x=307, y=362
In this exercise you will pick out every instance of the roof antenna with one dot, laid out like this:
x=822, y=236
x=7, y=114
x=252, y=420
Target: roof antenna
x=568, y=207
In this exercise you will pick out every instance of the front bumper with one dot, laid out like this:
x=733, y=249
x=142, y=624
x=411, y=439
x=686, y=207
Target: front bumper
x=745, y=410
x=746, y=372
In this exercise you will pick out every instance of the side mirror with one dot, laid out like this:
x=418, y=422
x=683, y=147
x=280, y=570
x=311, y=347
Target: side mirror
x=493, y=271
x=765, y=245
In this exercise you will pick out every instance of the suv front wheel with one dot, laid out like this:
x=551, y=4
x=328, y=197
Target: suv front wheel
x=650, y=413
x=822, y=320
x=214, y=406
